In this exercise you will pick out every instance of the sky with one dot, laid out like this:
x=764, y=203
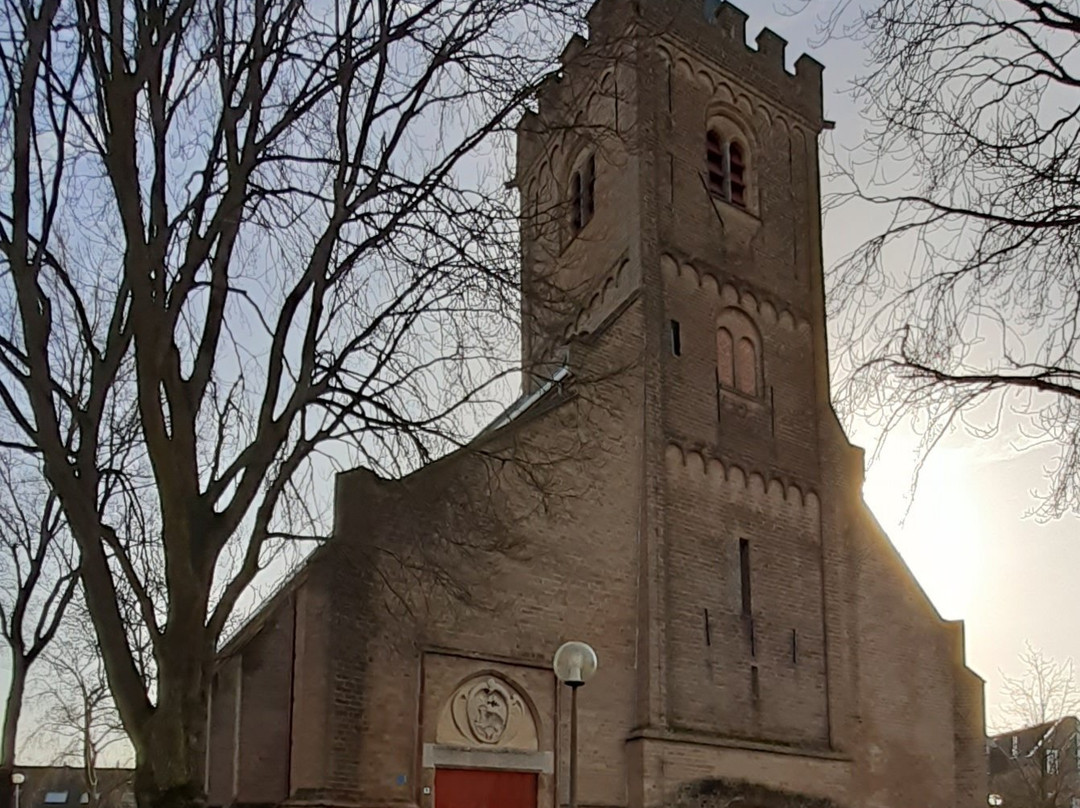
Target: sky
x=967, y=534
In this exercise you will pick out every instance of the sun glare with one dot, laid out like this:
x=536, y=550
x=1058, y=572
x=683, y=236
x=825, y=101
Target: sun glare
x=938, y=535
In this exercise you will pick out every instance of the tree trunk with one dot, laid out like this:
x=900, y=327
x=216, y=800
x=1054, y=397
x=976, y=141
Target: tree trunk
x=13, y=709
x=166, y=771
x=171, y=746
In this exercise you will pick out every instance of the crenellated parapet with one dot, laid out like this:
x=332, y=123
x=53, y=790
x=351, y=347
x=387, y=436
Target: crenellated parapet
x=617, y=30
x=720, y=37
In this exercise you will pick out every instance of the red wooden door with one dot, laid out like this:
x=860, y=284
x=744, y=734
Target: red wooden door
x=481, y=788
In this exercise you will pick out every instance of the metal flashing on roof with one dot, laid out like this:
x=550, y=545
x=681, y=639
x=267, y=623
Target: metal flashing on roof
x=520, y=406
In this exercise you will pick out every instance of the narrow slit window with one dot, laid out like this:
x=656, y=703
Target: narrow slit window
x=588, y=189
x=676, y=338
x=755, y=684
x=794, y=647
x=577, y=219
x=535, y=224
x=744, y=577
x=583, y=194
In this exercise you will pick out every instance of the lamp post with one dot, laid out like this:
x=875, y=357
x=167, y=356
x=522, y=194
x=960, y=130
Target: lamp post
x=574, y=664
x=17, y=779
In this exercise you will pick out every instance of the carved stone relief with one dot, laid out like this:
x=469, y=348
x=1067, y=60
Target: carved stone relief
x=487, y=712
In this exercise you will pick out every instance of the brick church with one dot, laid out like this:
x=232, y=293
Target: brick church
x=672, y=487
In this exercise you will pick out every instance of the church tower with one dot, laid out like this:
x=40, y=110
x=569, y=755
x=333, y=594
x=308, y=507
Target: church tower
x=674, y=164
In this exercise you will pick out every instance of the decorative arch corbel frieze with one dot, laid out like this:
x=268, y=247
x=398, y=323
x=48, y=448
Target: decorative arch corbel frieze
x=724, y=92
x=698, y=463
x=765, y=309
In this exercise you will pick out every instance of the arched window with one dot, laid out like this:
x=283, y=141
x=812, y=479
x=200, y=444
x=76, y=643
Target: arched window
x=746, y=367
x=716, y=163
x=583, y=194
x=738, y=353
x=737, y=174
x=725, y=358
x=726, y=164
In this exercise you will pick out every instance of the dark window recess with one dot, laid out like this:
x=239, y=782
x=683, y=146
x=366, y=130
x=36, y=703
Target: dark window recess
x=726, y=168
x=747, y=601
x=708, y=628
x=755, y=685
x=583, y=194
x=744, y=577
x=671, y=178
x=676, y=338
x=715, y=163
x=737, y=174
x=794, y=647
x=719, y=406
x=576, y=212
x=588, y=188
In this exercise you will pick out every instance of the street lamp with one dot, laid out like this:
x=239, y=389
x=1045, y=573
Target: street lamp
x=574, y=664
x=17, y=779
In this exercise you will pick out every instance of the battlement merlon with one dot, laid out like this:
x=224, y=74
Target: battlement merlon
x=721, y=40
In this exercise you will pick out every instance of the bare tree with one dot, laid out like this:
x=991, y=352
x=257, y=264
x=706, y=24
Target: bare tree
x=243, y=242
x=963, y=309
x=1044, y=691
x=38, y=576
x=77, y=720
x=1035, y=762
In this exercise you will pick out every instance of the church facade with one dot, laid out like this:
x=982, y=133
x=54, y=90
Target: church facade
x=673, y=488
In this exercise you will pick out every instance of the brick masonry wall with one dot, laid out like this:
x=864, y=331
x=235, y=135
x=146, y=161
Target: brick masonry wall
x=710, y=674
x=221, y=774
x=572, y=575
x=312, y=674
x=266, y=688
x=907, y=683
